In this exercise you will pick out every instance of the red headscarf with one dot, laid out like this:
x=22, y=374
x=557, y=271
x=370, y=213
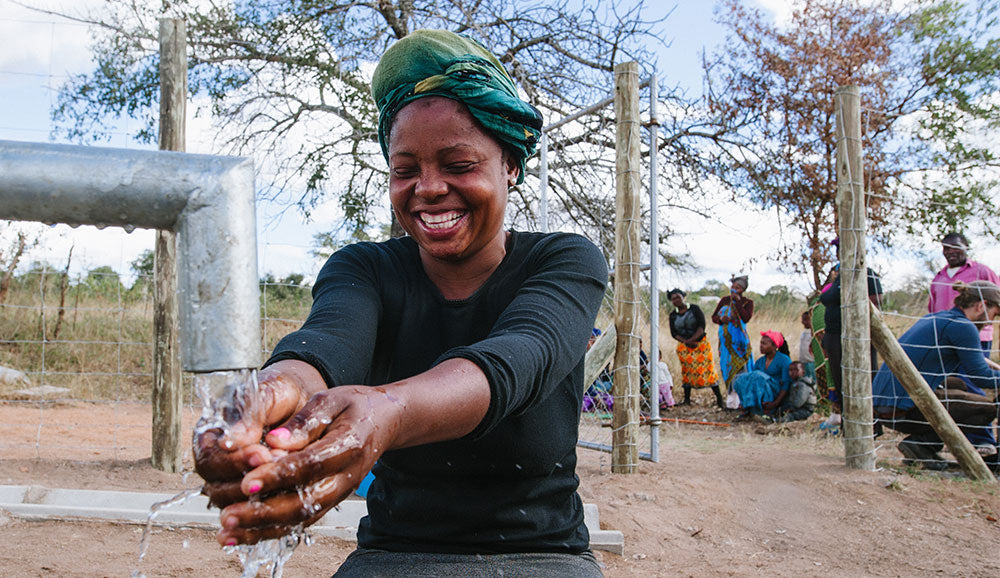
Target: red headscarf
x=774, y=336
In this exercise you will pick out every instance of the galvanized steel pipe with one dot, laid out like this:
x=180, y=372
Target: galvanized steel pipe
x=207, y=200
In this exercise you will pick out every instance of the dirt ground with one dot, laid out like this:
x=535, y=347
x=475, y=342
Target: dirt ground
x=737, y=500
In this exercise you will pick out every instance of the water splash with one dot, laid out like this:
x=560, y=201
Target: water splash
x=226, y=396
x=270, y=555
x=154, y=511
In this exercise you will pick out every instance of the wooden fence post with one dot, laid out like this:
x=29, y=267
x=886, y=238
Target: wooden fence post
x=625, y=419
x=859, y=444
x=926, y=401
x=166, y=396
x=600, y=354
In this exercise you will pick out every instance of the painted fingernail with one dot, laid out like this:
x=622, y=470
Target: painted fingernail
x=254, y=487
x=281, y=433
x=231, y=542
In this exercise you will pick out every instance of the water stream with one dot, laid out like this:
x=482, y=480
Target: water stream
x=225, y=396
x=154, y=511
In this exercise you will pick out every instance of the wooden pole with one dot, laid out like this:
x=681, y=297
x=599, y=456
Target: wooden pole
x=167, y=402
x=625, y=418
x=859, y=443
x=926, y=401
x=601, y=353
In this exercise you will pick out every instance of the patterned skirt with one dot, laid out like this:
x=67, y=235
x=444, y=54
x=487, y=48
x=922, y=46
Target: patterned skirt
x=697, y=365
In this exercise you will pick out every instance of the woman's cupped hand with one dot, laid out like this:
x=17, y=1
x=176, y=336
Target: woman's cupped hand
x=316, y=451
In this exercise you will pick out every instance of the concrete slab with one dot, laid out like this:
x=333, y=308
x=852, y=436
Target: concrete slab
x=38, y=502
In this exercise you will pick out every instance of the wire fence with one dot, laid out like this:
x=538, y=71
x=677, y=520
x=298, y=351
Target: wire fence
x=957, y=360
x=77, y=345
x=951, y=347
x=596, y=166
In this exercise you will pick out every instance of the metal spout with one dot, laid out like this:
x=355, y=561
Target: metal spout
x=208, y=200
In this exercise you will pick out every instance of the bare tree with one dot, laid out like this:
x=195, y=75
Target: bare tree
x=11, y=254
x=928, y=75
x=288, y=83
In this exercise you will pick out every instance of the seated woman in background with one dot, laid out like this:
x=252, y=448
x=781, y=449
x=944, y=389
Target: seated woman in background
x=687, y=326
x=762, y=390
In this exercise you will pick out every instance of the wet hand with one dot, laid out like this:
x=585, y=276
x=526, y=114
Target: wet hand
x=329, y=446
x=224, y=454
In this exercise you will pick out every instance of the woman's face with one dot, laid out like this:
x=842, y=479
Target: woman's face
x=677, y=299
x=766, y=345
x=736, y=288
x=448, y=179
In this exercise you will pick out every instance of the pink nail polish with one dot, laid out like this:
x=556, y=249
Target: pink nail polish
x=281, y=433
x=254, y=487
x=231, y=542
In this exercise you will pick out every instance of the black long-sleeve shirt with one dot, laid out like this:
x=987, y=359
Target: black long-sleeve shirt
x=510, y=485
x=831, y=300
x=684, y=326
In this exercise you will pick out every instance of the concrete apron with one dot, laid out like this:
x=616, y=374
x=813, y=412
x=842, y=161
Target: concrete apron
x=41, y=503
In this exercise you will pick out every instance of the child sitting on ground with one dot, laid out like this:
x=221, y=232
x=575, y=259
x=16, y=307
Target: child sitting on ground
x=801, y=399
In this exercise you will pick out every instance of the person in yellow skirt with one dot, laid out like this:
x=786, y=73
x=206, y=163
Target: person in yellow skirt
x=687, y=326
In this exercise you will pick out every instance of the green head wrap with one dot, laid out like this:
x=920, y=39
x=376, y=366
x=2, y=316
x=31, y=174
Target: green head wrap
x=442, y=63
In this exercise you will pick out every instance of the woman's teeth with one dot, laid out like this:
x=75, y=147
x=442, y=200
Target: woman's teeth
x=440, y=220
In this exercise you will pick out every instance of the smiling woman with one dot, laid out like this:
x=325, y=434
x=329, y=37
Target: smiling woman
x=448, y=362
x=448, y=188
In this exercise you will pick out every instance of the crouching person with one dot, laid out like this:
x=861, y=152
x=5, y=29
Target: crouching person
x=801, y=400
x=946, y=350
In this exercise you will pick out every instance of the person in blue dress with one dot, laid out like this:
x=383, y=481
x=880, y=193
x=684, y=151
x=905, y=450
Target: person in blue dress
x=763, y=389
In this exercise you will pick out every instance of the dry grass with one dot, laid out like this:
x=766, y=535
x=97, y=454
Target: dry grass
x=103, y=350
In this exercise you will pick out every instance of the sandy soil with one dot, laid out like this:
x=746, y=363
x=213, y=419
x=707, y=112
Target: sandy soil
x=733, y=501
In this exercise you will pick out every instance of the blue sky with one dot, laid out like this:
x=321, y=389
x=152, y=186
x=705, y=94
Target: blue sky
x=38, y=51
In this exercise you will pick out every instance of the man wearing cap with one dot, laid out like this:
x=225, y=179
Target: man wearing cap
x=955, y=248
x=944, y=347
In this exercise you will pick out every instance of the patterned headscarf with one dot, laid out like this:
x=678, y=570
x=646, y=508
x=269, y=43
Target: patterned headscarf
x=442, y=63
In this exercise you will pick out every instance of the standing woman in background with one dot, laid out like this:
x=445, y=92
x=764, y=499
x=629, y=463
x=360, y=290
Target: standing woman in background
x=687, y=326
x=732, y=314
